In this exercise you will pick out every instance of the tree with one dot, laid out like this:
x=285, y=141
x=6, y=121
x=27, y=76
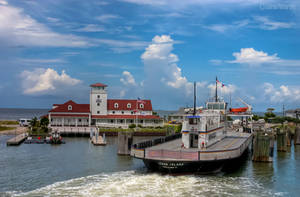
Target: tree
x=44, y=122
x=255, y=117
x=270, y=110
x=34, y=122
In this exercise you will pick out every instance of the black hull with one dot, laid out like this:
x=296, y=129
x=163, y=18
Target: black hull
x=201, y=167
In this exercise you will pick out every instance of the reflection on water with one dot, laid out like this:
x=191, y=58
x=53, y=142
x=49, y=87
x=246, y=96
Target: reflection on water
x=78, y=168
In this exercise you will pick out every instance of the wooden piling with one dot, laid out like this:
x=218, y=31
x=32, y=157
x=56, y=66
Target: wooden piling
x=124, y=143
x=262, y=148
x=289, y=137
x=297, y=136
x=281, y=140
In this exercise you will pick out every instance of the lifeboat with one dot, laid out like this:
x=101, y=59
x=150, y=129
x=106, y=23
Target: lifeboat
x=238, y=110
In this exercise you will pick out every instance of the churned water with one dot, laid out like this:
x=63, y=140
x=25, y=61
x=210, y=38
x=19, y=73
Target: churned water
x=78, y=168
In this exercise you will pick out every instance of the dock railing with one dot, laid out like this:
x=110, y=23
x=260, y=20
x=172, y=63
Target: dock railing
x=149, y=143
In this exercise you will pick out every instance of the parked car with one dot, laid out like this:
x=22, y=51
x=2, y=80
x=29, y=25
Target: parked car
x=23, y=122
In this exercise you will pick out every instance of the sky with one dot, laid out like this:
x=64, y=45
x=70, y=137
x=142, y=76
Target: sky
x=52, y=50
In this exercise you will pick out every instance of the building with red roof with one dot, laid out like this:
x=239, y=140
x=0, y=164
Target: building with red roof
x=103, y=112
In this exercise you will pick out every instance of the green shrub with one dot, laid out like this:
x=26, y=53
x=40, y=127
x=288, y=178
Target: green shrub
x=132, y=126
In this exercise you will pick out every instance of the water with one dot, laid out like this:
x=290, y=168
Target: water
x=16, y=114
x=78, y=168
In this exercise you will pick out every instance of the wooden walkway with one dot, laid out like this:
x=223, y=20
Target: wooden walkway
x=17, y=140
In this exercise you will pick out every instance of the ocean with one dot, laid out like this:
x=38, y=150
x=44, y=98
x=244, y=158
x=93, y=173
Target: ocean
x=17, y=113
x=78, y=168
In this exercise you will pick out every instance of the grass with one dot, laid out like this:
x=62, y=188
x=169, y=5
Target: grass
x=8, y=122
x=4, y=128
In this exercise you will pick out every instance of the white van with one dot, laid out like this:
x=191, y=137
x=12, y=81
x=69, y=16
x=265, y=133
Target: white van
x=24, y=122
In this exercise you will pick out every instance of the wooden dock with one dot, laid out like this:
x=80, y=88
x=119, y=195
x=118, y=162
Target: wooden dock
x=98, y=142
x=17, y=140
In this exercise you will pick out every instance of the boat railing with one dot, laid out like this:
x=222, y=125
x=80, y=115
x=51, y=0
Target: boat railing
x=149, y=143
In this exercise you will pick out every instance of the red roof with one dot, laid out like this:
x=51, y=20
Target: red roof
x=98, y=85
x=70, y=115
x=79, y=108
x=125, y=117
x=122, y=104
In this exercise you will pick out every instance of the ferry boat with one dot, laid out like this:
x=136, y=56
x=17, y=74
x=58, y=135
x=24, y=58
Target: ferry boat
x=205, y=143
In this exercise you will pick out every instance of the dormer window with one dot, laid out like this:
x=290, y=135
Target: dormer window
x=128, y=105
x=116, y=105
x=142, y=106
x=69, y=107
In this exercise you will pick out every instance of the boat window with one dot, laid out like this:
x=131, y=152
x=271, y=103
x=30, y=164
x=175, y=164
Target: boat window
x=128, y=105
x=193, y=121
x=116, y=105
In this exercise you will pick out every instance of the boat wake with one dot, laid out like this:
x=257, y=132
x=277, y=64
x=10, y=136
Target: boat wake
x=133, y=183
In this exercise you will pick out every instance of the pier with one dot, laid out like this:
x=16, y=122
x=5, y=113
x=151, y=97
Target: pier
x=17, y=140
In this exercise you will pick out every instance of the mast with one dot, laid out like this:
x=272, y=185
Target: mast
x=194, y=98
x=216, y=96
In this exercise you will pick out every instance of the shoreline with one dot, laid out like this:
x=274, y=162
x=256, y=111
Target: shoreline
x=17, y=130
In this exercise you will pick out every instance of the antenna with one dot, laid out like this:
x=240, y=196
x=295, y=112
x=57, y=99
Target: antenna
x=216, y=96
x=194, y=98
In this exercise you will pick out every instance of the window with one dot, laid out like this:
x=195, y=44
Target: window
x=98, y=112
x=79, y=120
x=132, y=112
x=121, y=121
x=193, y=121
x=131, y=121
x=98, y=96
x=116, y=105
x=128, y=105
x=112, y=121
x=98, y=104
x=69, y=107
x=122, y=112
x=113, y=112
x=141, y=105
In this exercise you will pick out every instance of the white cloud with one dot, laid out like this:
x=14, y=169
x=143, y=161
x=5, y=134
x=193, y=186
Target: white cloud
x=128, y=79
x=20, y=29
x=91, y=28
x=222, y=28
x=286, y=94
x=253, y=57
x=158, y=58
x=105, y=18
x=39, y=61
x=180, y=3
x=2, y=2
x=223, y=90
x=267, y=24
x=46, y=81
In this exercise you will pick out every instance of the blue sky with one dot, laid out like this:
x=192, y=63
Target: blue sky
x=51, y=51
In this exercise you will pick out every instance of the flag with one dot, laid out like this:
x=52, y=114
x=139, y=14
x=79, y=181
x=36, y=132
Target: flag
x=223, y=85
x=218, y=81
x=140, y=101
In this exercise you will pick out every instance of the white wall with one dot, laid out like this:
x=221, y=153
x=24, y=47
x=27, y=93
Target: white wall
x=102, y=108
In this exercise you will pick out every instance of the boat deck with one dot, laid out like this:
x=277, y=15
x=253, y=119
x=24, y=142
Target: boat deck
x=231, y=141
x=232, y=146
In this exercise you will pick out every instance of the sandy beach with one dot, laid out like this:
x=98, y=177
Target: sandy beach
x=17, y=130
